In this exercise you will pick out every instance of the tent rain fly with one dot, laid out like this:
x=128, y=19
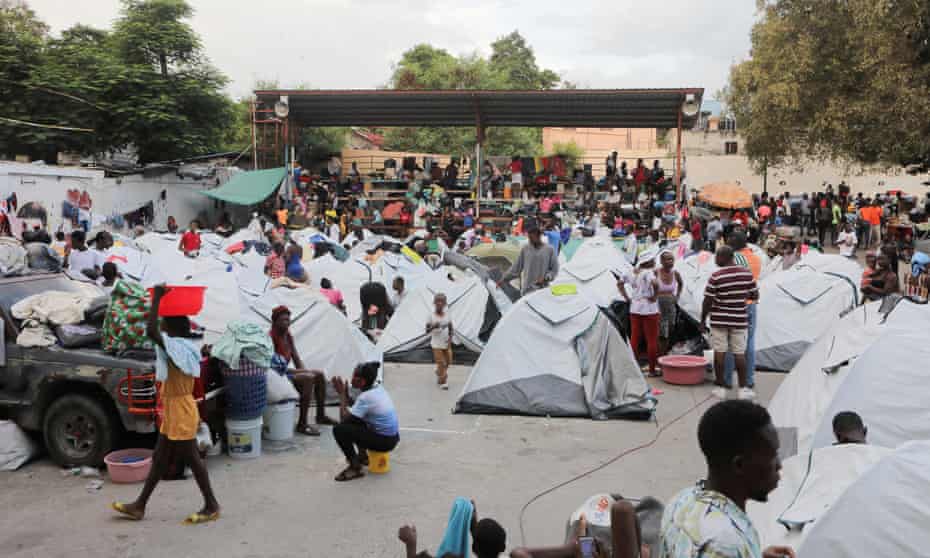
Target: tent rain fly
x=248, y=188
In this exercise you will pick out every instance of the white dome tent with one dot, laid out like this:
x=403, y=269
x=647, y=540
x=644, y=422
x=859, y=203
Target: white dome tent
x=888, y=384
x=557, y=355
x=870, y=362
x=325, y=339
x=349, y=276
x=795, y=308
x=810, y=484
x=592, y=267
x=803, y=397
x=473, y=311
x=884, y=513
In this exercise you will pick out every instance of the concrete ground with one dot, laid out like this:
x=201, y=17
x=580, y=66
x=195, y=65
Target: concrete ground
x=286, y=503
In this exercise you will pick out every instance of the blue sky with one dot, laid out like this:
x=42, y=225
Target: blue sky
x=352, y=43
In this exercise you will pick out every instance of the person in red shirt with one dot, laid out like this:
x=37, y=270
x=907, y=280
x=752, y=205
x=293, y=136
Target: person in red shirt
x=741, y=218
x=332, y=294
x=190, y=241
x=639, y=173
x=697, y=234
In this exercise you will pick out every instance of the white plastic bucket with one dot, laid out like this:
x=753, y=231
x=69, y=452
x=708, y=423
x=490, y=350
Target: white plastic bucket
x=709, y=356
x=244, y=438
x=279, y=421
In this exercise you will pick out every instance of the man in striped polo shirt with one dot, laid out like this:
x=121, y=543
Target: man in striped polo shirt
x=744, y=256
x=725, y=298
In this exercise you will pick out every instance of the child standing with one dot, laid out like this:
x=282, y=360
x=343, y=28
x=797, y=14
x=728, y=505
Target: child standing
x=177, y=364
x=439, y=327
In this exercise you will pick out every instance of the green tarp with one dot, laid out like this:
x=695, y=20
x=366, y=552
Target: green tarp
x=248, y=188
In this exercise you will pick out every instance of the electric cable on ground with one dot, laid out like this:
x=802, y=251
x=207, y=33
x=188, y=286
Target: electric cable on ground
x=605, y=464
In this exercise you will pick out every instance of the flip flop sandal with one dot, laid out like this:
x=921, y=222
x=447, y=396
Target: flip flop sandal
x=198, y=518
x=348, y=475
x=308, y=430
x=124, y=511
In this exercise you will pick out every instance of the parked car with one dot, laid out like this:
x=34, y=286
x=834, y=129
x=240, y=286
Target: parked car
x=77, y=398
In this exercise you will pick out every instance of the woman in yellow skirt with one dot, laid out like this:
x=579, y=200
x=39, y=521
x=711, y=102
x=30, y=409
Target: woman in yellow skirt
x=177, y=364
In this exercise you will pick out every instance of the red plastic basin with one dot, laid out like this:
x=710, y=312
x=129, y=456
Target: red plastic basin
x=182, y=300
x=684, y=370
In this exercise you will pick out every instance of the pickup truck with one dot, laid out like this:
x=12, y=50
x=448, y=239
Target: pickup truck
x=77, y=398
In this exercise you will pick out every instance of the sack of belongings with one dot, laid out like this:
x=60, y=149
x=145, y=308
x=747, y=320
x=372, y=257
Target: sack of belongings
x=126, y=318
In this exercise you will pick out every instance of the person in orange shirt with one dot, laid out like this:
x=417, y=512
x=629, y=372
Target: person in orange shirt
x=873, y=215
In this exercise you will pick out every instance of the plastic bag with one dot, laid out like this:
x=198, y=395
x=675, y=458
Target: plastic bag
x=280, y=388
x=15, y=447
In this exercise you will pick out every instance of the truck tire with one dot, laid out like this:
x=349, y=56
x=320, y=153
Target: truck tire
x=78, y=431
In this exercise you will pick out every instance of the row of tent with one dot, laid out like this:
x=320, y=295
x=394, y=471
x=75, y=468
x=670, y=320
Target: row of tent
x=237, y=289
x=562, y=338
x=541, y=346
x=844, y=501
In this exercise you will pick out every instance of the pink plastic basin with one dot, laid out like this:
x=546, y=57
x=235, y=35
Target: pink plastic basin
x=684, y=370
x=128, y=465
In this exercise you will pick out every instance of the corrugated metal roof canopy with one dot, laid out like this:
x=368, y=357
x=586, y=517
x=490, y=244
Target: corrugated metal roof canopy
x=581, y=108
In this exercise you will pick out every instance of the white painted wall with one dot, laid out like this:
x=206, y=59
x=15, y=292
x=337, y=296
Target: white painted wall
x=49, y=185
x=730, y=168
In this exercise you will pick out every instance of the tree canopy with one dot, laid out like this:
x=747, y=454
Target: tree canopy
x=511, y=65
x=838, y=79
x=145, y=84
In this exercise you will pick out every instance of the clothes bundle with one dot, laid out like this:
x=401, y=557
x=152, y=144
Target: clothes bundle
x=126, y=318
x=40, y=311
x=53, y=307
x=244, y=340
x=12, y=256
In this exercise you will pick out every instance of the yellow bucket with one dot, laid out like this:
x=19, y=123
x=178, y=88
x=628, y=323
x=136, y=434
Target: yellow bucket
x=379, y=462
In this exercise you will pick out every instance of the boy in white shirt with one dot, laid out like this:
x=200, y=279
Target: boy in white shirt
x=439, y=327
x=847, y=240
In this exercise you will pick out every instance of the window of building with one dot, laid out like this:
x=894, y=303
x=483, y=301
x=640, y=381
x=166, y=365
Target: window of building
x=730, y=147
x=728, y=124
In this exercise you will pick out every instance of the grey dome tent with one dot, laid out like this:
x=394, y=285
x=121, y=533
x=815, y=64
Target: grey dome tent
x=557, y=355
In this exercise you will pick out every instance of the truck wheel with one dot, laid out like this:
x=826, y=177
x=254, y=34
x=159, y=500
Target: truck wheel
x=78, y=431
